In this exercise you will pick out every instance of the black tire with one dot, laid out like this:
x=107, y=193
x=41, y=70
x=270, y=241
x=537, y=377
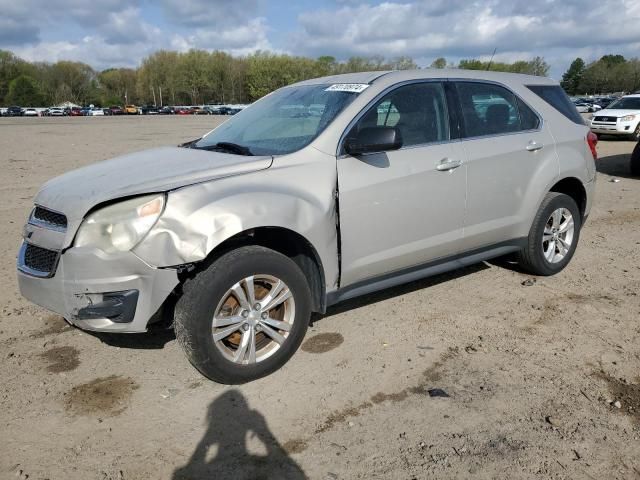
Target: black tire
x=532, y=258
x=634, y=163
x=202, y=294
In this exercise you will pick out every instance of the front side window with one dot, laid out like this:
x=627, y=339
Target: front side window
x=418, y=111
x=283, y=122
x=489, y=109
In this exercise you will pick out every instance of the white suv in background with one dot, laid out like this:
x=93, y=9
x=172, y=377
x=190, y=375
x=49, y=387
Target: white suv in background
x=622, y=117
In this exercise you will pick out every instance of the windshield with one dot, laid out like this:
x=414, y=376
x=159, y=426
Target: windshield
x=628, y=103
x=282, y=122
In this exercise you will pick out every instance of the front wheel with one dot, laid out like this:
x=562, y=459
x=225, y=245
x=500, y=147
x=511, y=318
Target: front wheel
x=553, y=236
x=243, y=316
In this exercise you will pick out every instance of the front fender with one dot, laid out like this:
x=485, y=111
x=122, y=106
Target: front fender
x=295, y=194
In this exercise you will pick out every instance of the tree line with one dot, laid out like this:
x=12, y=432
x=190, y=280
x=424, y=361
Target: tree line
x=194, y=77
x=609, y=74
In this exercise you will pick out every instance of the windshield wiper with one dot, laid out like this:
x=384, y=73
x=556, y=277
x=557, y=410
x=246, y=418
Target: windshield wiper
x=220, y=147
x=190, y=143
x=227, y=147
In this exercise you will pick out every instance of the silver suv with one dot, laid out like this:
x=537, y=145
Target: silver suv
x=321, y=191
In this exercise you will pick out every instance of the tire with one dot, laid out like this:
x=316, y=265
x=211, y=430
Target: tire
x=209, y=297
x=634, y=163
x=535, y=256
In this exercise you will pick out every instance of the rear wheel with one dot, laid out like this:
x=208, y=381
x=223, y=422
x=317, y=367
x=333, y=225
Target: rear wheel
x=244, y=316
x=553, y=236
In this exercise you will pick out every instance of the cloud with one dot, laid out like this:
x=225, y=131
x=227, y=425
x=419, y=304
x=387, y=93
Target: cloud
x=121, y=32
x=210, y=13
x=457, y=29
x=23, y=21
x=240, y=40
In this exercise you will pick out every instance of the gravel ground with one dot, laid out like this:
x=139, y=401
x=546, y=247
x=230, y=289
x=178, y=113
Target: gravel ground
x=477, y=373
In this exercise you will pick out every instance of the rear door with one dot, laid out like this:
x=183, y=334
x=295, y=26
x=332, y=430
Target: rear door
x=506, y=146
x=404, y=207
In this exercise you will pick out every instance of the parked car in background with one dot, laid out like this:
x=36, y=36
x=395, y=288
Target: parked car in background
x=199, y=111
x=95, y=112
x=14, y=111
x=604, y=102
x=56, y=112
x=584, y=106
x=167, y=111
x=85, y=111
x=30, y=112
x=130, y=109
x=75, y=112
x=116, y=110
x=621, y=117
x=149, y=110
x=270, y=217
x=183, y=111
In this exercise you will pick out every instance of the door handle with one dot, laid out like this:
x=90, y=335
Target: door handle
x=532, y=146
x=446, y=164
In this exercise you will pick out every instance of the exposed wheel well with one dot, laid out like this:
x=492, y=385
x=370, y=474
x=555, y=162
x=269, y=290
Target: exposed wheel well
x=284, y=241
x=573, y=187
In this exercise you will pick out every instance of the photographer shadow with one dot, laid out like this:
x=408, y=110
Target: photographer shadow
x=230, y=424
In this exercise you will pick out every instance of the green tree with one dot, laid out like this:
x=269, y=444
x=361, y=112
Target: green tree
x=439, y=62
x=572, y=78
x=403, y=63
x=114, y=84
x=612, y=60
x=24, y=91
x=537, y=66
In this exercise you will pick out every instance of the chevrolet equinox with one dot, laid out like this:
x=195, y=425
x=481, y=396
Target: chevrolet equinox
x=319, y=192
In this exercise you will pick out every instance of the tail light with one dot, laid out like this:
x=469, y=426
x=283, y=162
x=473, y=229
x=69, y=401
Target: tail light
x=592, y=141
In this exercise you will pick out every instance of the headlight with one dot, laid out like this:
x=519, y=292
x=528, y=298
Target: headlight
x=120, y=227
x=628, y=118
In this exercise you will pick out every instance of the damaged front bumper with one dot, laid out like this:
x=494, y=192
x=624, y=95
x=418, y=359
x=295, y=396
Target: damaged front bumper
x=100, y=292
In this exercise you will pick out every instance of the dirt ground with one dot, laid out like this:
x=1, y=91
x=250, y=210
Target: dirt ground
x=477, y=373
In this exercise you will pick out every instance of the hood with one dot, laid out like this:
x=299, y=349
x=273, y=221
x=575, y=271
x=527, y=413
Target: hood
x=605, y=112
x=149, y=171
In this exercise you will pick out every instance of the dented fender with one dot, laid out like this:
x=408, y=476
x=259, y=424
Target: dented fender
x=298, y=192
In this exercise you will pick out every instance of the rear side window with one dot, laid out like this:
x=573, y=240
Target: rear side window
x=489, y=109
x=555, y=96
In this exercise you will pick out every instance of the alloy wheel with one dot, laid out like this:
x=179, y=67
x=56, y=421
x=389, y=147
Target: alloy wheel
x=253, y=319
x=557, y=237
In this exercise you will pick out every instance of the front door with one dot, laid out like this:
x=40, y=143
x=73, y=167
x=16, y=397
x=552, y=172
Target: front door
x=405, y=207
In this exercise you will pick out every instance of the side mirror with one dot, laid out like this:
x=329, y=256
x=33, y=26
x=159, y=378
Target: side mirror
x=373, y=139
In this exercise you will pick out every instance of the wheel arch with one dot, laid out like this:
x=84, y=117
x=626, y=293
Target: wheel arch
x=286, y=242
x=574, y=188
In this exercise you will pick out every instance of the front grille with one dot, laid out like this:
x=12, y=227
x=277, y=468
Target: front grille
x=40, y=259
x=50, y=218
x=605, y=119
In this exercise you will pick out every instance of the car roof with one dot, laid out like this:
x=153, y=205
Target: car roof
x=429, y=73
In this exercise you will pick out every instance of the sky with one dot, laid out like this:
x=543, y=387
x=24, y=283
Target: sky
x=120, y=33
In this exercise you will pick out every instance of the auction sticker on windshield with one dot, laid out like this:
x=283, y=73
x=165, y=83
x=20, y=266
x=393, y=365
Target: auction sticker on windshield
x=347, y=87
